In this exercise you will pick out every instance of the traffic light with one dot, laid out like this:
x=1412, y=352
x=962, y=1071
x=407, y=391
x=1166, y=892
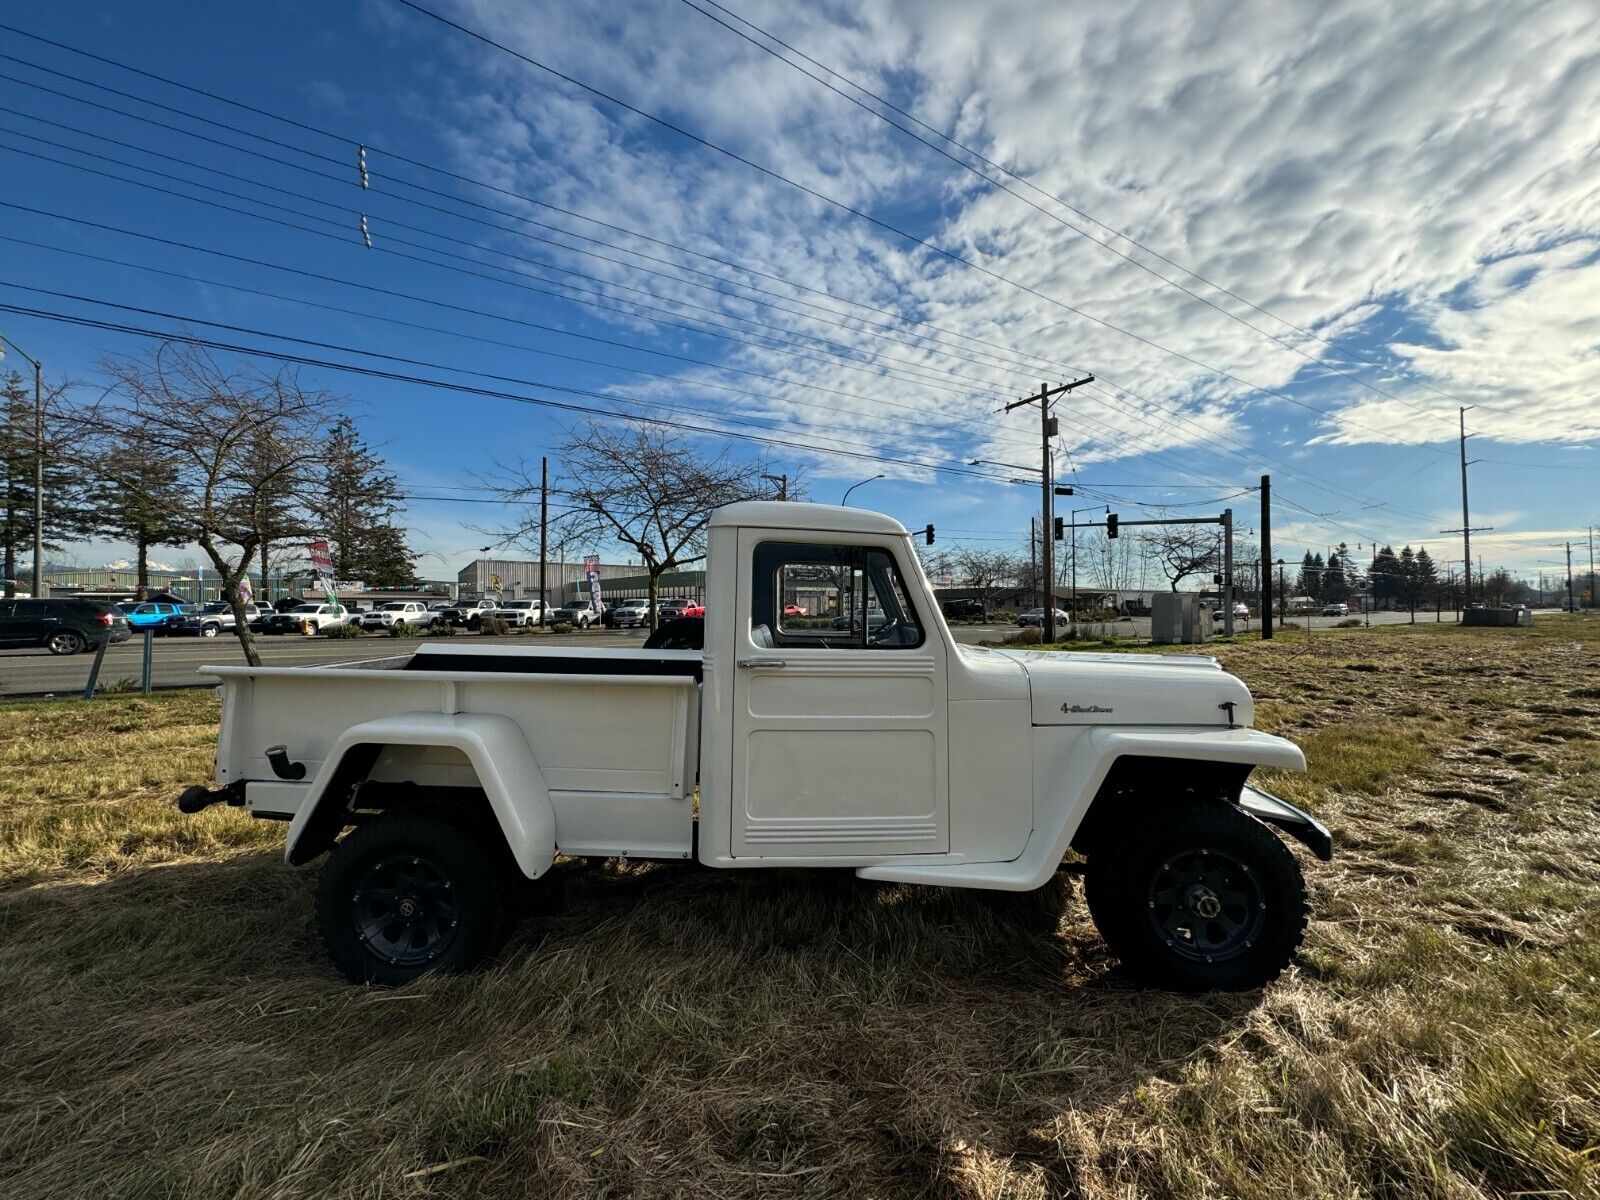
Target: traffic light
x=927, y=532
x=1063, y=491
x=1061, y=528
x=1111, y=525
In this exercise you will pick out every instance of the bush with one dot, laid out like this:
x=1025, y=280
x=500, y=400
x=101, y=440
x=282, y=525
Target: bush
x=1003, y=616
x=493, y=626
x=1024, y=637
x=405, y=629
x=442, y=629
x=342, y=631
x=561, y=627
x=1349, y=623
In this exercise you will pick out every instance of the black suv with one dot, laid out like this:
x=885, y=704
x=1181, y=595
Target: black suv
x=61, y=626
x=965, y=609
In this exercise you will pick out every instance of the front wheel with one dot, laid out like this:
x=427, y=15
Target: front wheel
x=208, y=630
x=1198, y=897
x=410, y=893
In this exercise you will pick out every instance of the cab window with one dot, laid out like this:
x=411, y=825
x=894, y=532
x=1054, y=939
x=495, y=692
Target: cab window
x=830, y=597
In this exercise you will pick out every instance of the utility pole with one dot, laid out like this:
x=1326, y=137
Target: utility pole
x=783, y=484
x=1591, y=589
x=1266, y=558
x=1571, y=605
x=1047, y=430
x=1466, y=521
x=544, y=528
x=1033, y=553
x=1227, y=571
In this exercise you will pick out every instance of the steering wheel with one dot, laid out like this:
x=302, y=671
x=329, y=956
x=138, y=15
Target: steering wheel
x=891, y=627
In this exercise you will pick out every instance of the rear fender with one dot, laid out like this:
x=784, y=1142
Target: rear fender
x=493, y=745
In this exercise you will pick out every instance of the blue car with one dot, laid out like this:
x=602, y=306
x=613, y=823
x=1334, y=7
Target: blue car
x=155, y=614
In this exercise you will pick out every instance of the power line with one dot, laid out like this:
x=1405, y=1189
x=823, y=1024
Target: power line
x=868, y=217
x=1191, y=272
x=1130, y=392
x=966, y=166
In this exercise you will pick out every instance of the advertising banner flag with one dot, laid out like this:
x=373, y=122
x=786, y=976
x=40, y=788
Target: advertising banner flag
x=322, y=568
x=591, y=569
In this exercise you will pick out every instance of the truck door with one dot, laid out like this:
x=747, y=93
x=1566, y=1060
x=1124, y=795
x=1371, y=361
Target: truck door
x=840, y=720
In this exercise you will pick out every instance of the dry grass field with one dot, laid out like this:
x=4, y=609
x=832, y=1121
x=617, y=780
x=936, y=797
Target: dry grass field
x=168, y=1026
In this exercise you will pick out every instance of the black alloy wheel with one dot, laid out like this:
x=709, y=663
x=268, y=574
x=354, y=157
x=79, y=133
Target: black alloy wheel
x=404, y=911
x=1205, y=905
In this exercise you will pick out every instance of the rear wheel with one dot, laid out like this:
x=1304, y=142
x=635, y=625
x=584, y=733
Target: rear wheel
x=65, y=641
x=409, y=893
x=1198, y=897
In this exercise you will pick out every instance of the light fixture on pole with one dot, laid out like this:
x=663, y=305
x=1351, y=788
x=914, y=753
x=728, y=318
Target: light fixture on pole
x=854, y=486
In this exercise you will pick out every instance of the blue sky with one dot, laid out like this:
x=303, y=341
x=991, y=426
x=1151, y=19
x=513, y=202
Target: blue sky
x=1404, y=201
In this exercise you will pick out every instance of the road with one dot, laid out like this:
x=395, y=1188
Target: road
x=177, y=661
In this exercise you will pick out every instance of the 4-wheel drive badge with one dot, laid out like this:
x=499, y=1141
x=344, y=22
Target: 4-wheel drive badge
x=1085, y=708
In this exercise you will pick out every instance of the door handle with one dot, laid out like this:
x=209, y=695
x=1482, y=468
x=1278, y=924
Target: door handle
x=751, y=664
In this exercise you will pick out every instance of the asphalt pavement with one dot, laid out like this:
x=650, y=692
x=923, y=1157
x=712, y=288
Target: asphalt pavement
x=177, y=661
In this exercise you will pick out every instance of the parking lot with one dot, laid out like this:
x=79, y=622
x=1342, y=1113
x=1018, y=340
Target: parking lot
x=177, y=660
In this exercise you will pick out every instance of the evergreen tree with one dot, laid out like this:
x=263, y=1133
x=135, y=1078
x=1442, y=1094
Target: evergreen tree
x=68, y=513
x=1427, y=576
x=1335, y=577
x=355, y=510
x=1311, y=575
x=134, y=508
x=1385, y=575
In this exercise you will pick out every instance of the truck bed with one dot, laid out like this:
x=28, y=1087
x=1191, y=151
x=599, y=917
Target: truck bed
x=614, y=731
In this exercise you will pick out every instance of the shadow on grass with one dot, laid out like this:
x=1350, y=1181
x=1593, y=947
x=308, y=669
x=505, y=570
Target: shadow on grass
x=786, y=1032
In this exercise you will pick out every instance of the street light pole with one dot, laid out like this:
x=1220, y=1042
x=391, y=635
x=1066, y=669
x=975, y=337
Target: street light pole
x=846, y=498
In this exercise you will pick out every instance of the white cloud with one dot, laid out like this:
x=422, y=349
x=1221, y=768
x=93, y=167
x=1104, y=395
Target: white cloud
x=1397, y=171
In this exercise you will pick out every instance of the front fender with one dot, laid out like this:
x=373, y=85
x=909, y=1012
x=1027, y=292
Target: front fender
x=499, y=754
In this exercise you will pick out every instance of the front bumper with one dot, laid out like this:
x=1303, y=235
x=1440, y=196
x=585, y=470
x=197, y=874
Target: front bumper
x=1298, y=823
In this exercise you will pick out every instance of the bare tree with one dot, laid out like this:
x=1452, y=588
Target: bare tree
x=1184, y=550
x=243, y=448
x=641, y=486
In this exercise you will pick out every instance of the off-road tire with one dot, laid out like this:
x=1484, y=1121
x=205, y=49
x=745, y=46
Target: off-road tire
x=1127, y=876
x=66, y=641
x=480, y=895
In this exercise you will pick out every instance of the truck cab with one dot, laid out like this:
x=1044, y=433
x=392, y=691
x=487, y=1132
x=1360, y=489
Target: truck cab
x=830, y=720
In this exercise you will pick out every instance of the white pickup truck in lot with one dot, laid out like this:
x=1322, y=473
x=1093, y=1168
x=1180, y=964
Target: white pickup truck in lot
x=883, y=747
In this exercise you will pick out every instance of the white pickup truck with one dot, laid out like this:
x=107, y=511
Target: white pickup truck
x=883, y=748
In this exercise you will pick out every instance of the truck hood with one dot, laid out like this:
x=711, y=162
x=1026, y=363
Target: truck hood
x=1127, y=689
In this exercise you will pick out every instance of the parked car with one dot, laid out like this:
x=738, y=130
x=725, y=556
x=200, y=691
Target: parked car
x=1035, y=617
x=520, y=613
x=576, y=613
x=965, y=609
x=804, y=755
x=62, y=626
x=214, y=618
x=795, y=610
x=306, y=618
x=153, y=614
x=439, y=608
x=693, y=609
x=630, y=614
x=851, y=620
x=1241, y=612
x=462, y=612
x=398, y=612
x=1336, y=610
x=671, y=608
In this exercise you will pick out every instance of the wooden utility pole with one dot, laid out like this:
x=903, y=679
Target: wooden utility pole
x=1266, y=558
x=1048, y=427
x=544, y=528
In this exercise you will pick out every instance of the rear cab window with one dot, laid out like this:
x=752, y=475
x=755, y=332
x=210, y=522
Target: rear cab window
x=852, y=597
